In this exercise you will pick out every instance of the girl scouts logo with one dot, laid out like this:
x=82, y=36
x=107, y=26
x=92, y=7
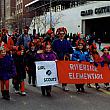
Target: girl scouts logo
x=49, y=79
x=48, y=72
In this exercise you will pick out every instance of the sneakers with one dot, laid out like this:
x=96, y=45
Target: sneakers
x=89, y=86
x=97, y=87
x=17, y=92
x=64, y=88
x=78, y=90
x=23, y=93
x=107, y=87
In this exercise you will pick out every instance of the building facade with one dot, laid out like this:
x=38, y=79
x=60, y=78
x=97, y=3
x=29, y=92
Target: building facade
x=88, y=18
x=7, y=18
x=21, y=13
x=43, y=13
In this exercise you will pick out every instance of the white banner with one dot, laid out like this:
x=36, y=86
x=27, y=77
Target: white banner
x=46, y=73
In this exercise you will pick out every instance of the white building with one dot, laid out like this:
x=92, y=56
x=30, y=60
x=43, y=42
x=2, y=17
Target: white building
x=91, y=17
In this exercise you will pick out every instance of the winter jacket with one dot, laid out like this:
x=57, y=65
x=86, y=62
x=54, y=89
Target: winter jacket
x=81, y=56
x=61, y=47
x=24, y=40
x=96, y=58
x=105, y=59
x=20, y=66
x=50, y=56
x=7, y=68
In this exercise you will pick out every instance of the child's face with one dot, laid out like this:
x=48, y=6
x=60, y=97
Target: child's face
x=33, y=48
x=3, y=52
x=105, y=51
x=94, y=50
x=48, y=48
x=80, y=46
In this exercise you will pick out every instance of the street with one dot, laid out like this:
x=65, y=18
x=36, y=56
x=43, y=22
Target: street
x=47, y=42
x=91, y=100
x=60, y=100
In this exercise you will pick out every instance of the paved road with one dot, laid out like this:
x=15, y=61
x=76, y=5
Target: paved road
x=60, y=100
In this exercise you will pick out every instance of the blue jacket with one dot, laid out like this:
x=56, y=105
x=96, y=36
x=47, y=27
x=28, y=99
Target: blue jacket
x=24, y=40
x=7, y=68
x=81, y=56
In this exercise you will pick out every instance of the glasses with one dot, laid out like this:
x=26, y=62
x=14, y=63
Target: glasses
x=80, y=45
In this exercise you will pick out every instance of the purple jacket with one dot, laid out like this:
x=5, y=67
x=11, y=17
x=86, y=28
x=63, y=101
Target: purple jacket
x=105, y=58
x=7, y=68
x=50, y=56
x=61, y=48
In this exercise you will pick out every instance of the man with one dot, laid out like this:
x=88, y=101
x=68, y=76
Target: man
x=24, y=39
x=61, y=46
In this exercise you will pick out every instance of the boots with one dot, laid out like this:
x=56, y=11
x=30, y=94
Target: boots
x=7, y=95
x=3, y=94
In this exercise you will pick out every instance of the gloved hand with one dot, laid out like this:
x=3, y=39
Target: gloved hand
x=91, y=62
x=102, y=64
x=79, y=61
x=95, y=64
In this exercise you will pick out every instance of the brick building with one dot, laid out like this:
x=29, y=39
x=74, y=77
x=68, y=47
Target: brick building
x=13, y=14
x=7, y=18
x=23, y=17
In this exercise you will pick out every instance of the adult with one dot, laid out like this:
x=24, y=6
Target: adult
x=24, y=39
x=61, y=46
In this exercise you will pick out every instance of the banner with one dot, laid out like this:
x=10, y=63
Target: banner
x=46, y=73
x=73, y=72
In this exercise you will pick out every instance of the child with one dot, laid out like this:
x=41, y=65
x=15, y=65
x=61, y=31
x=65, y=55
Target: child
x=80, y=54
x=19, y=84
x=49, y=55
x=66, y=58
x=105, y=59
x=7, y=71
x=30, y=59
x=96, y=58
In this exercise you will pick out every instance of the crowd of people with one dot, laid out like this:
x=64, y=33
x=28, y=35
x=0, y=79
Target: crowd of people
x=19, y=52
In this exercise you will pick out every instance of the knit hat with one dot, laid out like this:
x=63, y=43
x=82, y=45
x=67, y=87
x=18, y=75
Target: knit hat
x=49, y=31
x=106, y=47
x=61, y=30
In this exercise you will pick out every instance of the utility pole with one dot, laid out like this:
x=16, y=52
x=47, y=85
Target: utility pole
x=50, y=14
x=35, y=20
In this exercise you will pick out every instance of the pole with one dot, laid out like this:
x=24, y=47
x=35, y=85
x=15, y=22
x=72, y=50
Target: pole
x=35, y=20
x=4, y=14
x=50, y=14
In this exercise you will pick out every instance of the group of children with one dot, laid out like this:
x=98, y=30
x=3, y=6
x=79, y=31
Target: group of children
x=16, y=62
